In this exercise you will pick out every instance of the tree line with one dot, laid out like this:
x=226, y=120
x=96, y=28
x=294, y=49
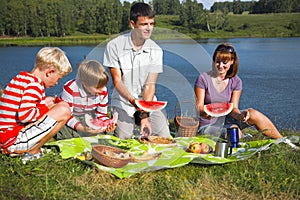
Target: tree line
x=63, y=17
x=258, y=7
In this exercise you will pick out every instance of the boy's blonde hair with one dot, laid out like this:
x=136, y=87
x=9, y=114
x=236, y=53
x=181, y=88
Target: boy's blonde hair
x=92, y=73
x=53, y=57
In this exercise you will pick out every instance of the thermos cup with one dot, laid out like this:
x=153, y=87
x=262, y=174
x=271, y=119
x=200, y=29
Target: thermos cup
x=221, y=149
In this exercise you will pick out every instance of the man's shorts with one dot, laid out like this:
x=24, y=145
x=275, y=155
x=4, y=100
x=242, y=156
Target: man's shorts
x=31, y=134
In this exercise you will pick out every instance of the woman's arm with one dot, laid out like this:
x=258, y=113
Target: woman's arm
x=236, y=113
x=200, y=95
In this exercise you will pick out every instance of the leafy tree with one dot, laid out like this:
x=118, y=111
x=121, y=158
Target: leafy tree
x=166, y=7
x=237, y=7
x=125, y=16
x=109, y=17
x=192, y=15
x=160, y=6
x=2, y=16
x=218, y=20
x=14, y=21
x=276, y=6
x=89, y=20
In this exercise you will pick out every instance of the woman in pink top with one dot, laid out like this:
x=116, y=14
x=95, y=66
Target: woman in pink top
x=222, y=84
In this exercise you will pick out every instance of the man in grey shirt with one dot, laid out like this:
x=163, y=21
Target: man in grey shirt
x=134, y=61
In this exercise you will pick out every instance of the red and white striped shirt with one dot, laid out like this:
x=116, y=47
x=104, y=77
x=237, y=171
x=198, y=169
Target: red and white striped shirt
x=22, y=101
x=82, y=103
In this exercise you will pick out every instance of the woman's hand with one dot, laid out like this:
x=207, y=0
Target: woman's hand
x=244, y=116
x=205, y=115
x=201, y=112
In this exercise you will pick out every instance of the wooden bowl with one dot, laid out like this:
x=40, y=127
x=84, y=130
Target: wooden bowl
x=110, y=156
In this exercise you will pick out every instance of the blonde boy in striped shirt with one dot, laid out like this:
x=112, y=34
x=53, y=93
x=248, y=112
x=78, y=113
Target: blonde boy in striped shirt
x=28, y=119
x=86, y=94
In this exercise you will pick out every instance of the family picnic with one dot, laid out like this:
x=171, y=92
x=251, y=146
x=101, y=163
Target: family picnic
x=29, y=119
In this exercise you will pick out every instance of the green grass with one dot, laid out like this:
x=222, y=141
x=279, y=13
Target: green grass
x=77, y=39
x=271, y=174
x=244, y=25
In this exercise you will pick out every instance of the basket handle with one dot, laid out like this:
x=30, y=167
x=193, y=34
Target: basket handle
x=184, y=101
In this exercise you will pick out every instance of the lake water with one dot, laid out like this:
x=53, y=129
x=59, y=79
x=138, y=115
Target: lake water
x=269, y=68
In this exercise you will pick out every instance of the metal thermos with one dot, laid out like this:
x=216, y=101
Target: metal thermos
x=233, y=137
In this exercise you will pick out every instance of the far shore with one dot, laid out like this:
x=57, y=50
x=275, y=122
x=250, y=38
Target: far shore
x=87, y=40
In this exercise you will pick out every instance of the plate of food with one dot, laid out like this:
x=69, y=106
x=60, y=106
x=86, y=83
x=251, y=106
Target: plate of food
x=158, y=141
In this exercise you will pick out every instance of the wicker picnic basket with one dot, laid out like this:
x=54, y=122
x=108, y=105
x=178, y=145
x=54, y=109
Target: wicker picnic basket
x=186, y=126
x=104, y=155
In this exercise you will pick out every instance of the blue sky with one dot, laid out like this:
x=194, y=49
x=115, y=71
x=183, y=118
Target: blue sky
x=206, y=3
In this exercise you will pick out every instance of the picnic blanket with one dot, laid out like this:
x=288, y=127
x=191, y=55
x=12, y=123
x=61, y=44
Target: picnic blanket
x=170, y=157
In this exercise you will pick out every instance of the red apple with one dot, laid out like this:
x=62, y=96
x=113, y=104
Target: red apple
x=195, y=147
x=205, y=148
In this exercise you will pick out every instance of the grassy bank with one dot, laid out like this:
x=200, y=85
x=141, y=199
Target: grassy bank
x=244, y=25
x=77, y=39
x=271, y=174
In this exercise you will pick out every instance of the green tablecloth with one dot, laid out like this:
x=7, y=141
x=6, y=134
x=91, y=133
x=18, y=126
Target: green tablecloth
x=171, y=157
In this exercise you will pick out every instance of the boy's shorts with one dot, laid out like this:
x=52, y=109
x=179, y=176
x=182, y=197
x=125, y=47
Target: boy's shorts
x=220, y=129
x=31, y=134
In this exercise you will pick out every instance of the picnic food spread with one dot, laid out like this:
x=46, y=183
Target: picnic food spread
x=151, y=157
x=218, y=109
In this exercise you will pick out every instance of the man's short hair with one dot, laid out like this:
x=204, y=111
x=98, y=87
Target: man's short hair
x=140, y=9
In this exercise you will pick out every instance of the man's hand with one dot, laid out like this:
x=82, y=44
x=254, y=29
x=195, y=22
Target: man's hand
x=146, y=127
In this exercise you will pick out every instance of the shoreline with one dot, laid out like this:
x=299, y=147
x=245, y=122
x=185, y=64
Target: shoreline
x=93, y=40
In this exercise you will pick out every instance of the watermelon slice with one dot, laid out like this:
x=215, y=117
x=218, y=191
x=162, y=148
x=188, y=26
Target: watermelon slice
x=99, y=124
x=150, y=106
x=218, y=109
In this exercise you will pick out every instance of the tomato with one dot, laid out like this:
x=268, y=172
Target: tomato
x=195, y=147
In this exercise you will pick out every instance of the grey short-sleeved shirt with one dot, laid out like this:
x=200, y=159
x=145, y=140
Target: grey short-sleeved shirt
x=204, y=81
x=134, y=65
